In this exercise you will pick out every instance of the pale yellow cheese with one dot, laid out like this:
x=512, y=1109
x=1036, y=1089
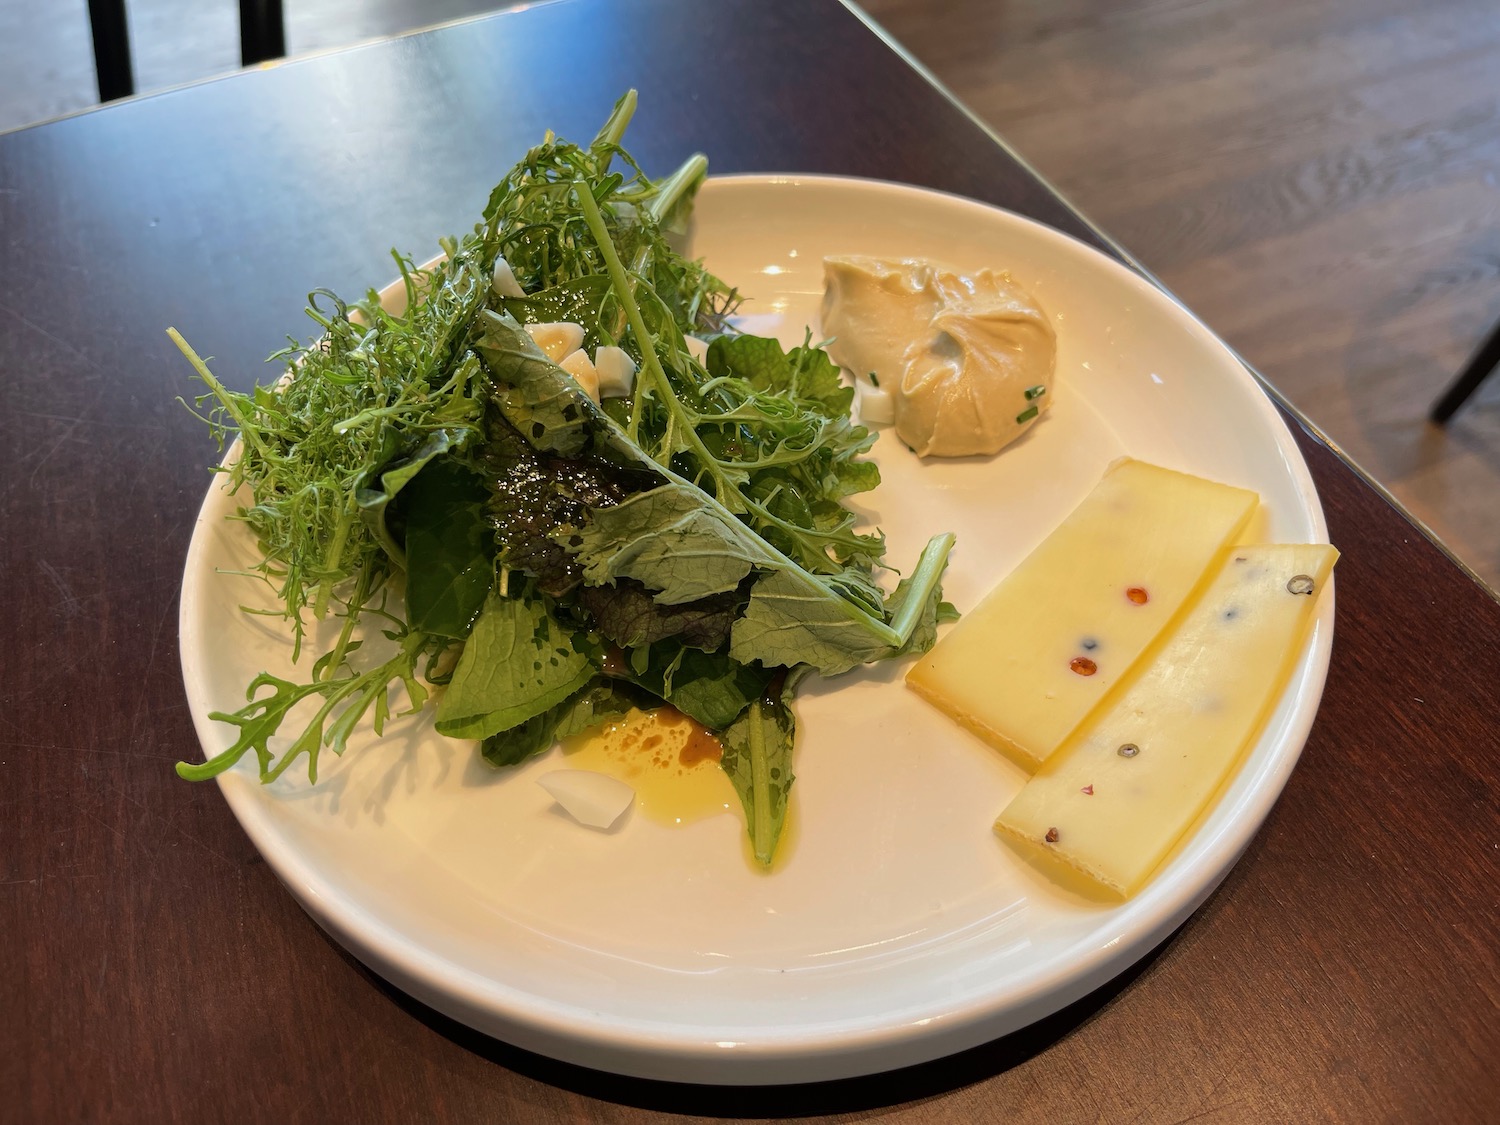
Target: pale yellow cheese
x=1016, y=669
x=1182, y=721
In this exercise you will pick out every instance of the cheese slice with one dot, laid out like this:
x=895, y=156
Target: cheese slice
x=1115, y=799
x=1025, y=667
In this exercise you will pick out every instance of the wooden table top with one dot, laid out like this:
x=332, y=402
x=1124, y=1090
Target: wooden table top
x=154, y=968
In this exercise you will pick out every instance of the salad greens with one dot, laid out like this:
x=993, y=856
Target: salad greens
x=561, y=561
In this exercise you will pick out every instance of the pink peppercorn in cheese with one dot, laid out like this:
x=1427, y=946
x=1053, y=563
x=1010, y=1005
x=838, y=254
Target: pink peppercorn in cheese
x=1120, y=793
x=1026, y=666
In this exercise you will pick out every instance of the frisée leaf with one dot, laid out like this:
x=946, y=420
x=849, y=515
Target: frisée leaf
x=562, y=561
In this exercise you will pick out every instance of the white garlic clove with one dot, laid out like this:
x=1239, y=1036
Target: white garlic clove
x=593, y=799
x=876, y=407
x=503, y=280
x=578, y=365
x=616, y=371
x=557, y=338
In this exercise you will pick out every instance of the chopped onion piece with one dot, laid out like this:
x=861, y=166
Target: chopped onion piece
x=558, y=338
x=504, y=280
x=616, y=371
x=593, y=799
x=876, y=407
x=581, y=367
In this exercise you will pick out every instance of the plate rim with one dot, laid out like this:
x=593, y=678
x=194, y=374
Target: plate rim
x=789, y=1053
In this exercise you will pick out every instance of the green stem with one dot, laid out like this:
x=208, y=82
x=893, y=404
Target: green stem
x=651, y=367
x=762, y=833
x=311, y=739
x=924, y=581
x=669, y=192
x=222, y=393
x=613, y=130
x=650, y=361
x=361, y=591
x=334, y=555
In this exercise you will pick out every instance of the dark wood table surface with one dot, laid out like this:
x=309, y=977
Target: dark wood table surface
x=152, y=968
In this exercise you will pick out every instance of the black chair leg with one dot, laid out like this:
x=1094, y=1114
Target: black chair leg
x=261, y=34
x=1480, y=364
x=111, y=49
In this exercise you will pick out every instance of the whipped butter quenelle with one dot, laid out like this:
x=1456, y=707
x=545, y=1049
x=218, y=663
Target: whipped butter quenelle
x=967, y=359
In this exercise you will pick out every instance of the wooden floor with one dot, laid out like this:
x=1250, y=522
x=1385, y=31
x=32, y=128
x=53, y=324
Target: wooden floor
x=1320, y=181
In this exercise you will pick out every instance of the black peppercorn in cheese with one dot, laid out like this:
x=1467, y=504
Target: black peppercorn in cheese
x=1025, y=666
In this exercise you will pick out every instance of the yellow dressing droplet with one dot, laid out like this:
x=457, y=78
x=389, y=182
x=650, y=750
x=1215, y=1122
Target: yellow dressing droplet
x=670, y=761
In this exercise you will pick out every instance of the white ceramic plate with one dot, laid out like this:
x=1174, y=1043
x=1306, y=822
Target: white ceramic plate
x=898, y=928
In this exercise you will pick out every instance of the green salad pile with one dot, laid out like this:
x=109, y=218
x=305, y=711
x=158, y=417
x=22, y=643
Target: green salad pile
x=550, y=562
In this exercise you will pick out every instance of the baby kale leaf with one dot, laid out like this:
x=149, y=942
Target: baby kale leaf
x=519, y=661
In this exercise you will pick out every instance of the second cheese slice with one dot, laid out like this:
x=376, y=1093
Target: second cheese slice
x=1026, y=666
x=1116, y=799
